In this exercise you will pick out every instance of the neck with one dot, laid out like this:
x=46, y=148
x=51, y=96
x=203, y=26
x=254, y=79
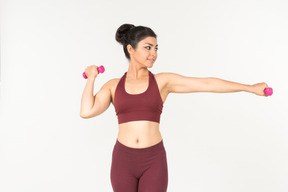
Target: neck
x=136, y=71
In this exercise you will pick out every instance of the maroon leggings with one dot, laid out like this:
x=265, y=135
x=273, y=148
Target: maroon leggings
x=139, y=169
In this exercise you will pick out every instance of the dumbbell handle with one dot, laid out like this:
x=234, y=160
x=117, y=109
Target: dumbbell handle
x=100, y=69
x=268, y=91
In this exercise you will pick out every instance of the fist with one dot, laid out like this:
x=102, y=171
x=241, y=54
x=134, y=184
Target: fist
x=258, y=89
x=91, y=71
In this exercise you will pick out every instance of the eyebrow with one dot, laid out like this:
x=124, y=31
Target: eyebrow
x=151, y=44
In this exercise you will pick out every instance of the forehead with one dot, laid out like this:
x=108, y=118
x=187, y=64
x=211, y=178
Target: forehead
x=149, y=40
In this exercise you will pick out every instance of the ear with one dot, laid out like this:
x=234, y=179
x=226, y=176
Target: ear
x=130, y=49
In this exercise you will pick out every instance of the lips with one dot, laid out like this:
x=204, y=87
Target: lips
x=152, y=60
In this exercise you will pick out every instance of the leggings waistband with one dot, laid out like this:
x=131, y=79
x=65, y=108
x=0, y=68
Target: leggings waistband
x=154, y=148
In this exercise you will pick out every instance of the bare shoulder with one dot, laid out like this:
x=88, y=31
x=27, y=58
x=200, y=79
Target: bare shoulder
x=163, y=80
x=165, y=74
x=111, y=84
x=165, y=77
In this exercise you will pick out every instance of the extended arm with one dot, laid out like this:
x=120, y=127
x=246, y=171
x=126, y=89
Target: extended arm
x=217, y=85
x=181, y=84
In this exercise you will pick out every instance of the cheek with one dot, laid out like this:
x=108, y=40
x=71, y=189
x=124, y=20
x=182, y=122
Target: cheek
x=144, y=54
x=141, y=56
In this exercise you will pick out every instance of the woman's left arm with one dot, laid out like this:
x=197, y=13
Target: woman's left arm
x=223, y=86
x=181, y=84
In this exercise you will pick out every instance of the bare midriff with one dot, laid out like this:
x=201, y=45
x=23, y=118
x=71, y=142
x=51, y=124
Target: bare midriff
x=139, y=134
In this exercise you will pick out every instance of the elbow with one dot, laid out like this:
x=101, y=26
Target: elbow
x=83, y=116
x=87, y=115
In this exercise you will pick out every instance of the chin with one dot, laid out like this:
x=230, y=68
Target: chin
x=150, y=66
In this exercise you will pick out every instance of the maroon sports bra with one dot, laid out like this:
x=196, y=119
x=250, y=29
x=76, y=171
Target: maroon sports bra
x=135, y=107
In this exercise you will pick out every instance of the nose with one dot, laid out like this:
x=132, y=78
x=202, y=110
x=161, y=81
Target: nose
x=153, y=52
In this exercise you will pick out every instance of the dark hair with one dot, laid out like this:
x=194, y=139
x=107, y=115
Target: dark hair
x=129, y=34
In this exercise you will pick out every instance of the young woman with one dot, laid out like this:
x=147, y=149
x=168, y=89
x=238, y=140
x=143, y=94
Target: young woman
x=139, y=158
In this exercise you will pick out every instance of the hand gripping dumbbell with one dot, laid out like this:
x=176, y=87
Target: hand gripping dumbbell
x=268, y=91
x=100, y=69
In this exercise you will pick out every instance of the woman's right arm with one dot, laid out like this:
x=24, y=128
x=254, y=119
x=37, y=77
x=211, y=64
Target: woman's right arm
x=92, y=106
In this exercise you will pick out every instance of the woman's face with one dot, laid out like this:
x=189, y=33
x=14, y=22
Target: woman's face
x=145, y=52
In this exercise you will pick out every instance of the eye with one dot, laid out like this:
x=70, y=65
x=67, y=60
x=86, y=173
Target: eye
x=149, y=47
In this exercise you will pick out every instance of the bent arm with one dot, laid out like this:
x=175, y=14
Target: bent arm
x=92, y=106
x=181, y=84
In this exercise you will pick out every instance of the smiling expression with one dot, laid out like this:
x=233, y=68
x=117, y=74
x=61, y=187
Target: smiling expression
x=145, y=53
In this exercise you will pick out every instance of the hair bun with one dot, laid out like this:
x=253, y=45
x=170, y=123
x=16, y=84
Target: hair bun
x=122, y=31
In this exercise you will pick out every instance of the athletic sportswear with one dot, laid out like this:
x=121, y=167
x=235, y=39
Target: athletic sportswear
x=139, y=169
x=135, y=107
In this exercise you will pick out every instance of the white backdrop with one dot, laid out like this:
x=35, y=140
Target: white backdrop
x=226, y=142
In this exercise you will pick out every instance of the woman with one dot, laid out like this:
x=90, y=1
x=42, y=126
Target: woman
x=139, y=158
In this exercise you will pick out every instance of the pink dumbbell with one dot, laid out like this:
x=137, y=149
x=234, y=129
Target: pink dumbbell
x=100, y=69
x=268, y=91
